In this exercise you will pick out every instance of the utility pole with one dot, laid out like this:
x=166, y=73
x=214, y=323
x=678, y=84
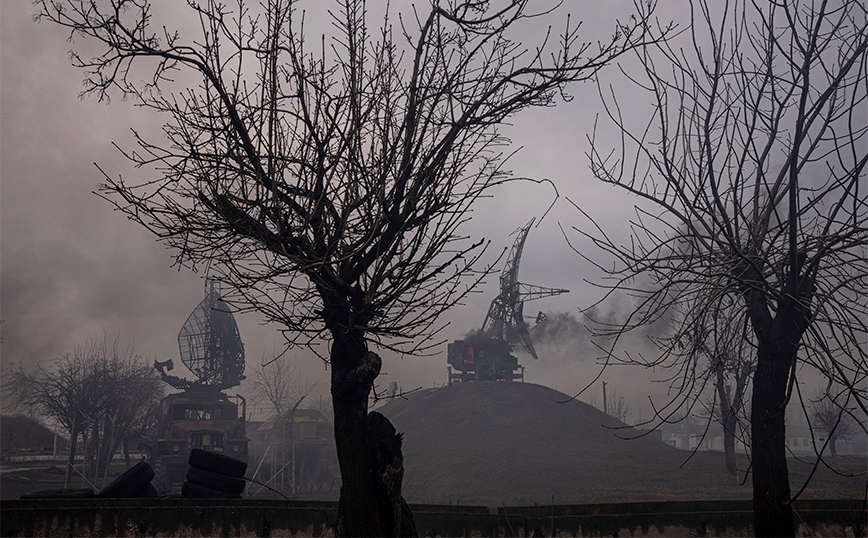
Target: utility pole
x=605, y=401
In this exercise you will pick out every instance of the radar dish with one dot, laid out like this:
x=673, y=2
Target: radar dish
x=210, y=344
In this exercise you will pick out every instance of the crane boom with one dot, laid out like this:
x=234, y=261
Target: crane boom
x=505, y=317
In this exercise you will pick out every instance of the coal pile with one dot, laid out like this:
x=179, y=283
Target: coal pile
x=496, y=443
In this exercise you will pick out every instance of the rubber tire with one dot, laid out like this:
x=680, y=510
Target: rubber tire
x=159, y=480
x=129, y=483
x=217, y=481
x=147, y=492
x=218, y=463
x=63, y=493
x=194, y=491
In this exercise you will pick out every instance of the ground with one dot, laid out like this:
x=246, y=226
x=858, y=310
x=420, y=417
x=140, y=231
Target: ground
x=513, y=444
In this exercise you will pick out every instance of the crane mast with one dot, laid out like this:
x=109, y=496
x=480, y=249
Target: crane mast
x=486, y=355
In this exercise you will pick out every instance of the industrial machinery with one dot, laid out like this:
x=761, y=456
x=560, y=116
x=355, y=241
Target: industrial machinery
x=486, y=355
x=202, y=416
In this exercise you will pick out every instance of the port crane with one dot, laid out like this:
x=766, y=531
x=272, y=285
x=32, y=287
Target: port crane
x=487, y=353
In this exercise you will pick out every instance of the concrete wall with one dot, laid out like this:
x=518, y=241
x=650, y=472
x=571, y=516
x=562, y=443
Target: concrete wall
x=213, y=517
x=683, y=518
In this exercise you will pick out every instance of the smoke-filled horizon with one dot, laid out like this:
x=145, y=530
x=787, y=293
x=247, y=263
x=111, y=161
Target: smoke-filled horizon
x=71, y=269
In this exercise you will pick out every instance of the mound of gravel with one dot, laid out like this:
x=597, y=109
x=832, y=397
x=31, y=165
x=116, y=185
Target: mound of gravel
x=496, y=443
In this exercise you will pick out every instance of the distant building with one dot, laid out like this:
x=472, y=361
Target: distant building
x=21, y=435
x=697, y=434
x=294, y=455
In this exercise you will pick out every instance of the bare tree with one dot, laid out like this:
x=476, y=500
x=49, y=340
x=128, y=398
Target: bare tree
x=832, y=420
x=618, y=406
x=725, y=338
x=327, y=182
x=277, y=383
x=615, y=404
x=132, y=392
x=65, y=396
x=99, y=392
x=749, y=174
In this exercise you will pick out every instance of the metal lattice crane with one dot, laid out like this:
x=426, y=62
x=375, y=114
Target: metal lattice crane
x=505, y=318
x=486, y=355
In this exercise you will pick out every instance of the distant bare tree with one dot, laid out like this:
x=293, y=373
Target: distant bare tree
x=749, y=175
x=725, y=338
x=133, y=392
x=65, y=396
x=615, y=405
x=327, y=182
x=277, y=383
x=832, y=419
x=618, y=406
x=99, y=392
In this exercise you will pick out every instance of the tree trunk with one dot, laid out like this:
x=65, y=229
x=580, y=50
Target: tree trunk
x=833, y=437
x=773, y=515
x=363, y=509
x=358, y=514
x=73, y=441
x=727, y=420
x=106, y=450
x=126, y=449
x=353, y=370
x=729, y=426
x=92, y=464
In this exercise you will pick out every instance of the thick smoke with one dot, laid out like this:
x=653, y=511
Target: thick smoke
x=561, y=332
x=572, y=354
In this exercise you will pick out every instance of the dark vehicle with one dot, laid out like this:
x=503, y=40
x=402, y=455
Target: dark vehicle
x=483, y=360
x=202, y=416
x=198, y=418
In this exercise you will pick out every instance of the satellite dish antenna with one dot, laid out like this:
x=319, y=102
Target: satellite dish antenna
x=210, y=344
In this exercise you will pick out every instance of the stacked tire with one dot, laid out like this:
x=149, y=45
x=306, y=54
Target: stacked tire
x=135, y=482
x=214, y=476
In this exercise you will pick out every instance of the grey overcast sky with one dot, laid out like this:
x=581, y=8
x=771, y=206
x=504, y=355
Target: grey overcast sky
x=71, y=269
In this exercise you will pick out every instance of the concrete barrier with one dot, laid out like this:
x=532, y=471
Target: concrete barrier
x=179, y=517
x=684, y=518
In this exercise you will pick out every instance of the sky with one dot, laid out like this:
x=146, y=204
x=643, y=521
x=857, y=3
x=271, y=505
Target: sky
x=71, y=269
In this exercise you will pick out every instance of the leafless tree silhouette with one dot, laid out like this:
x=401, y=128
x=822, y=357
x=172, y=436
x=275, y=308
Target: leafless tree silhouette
x=749, y=175
x=725, y=339
x=101, y=392
x=326, y=180
x=832, y=419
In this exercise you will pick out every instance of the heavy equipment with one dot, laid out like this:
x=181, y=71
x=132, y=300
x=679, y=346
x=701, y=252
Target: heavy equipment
x=202, y=415
x=486, y=354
